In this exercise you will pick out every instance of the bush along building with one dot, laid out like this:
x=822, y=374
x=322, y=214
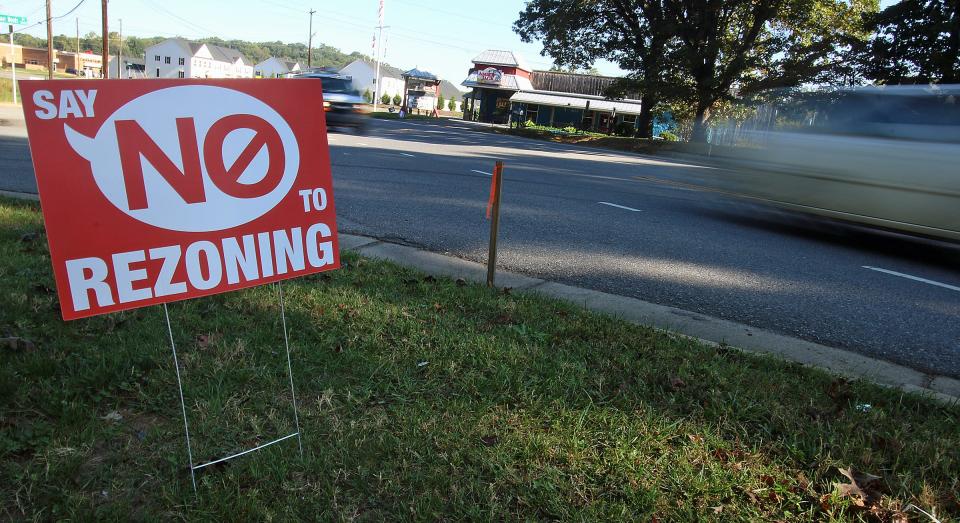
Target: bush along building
x=504, y=87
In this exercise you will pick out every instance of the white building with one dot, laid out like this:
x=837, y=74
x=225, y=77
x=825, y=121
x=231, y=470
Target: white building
x=178, y=58
x=276, y=68
x=131, y=68
x=364, y=73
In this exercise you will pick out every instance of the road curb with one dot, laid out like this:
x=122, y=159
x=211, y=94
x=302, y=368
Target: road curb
x=20, y=195
x=706, y=329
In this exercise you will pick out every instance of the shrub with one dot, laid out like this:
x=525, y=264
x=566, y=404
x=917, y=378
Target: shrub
x=397, y=100
x=624, y=129
x=670, y=137
x=367, y=96
x=440, y=101
x=569, y=129
x=385, y=99
x=451, y=105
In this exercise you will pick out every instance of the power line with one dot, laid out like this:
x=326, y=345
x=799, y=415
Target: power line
x=52, y=18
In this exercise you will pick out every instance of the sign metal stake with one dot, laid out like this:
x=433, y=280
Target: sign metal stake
x=183, y=406
x=293, y=393
x=494, y=210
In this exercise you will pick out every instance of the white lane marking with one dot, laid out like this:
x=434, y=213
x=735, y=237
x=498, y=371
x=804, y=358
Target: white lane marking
x=361, y=143
x=914, y=278
x=410, y=155
x=481, y=172
x=619, y=206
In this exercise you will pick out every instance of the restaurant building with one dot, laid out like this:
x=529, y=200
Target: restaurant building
x=502, y=82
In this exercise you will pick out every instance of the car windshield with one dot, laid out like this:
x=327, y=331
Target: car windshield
x=336, y=85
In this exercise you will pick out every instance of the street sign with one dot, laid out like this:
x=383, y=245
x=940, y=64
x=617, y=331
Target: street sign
x=12, y=19
x=162, y=190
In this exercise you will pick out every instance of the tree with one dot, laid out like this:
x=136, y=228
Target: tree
x=916, y=41
x=385, y=99
x=701, y=52
x=452, y=104
x=634, y=34
x=561, y=69
x=397, y=100
x=440, y=102
x=367, y=96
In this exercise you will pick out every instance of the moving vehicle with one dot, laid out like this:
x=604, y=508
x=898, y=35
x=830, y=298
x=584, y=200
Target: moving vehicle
x=882, y=156
x=342, y=104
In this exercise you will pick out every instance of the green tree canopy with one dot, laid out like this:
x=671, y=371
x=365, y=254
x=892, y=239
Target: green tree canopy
x=916, y=41
x=702, y=52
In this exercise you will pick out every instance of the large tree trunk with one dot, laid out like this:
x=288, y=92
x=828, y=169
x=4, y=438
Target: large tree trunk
x=645, y=121
x=700, y=124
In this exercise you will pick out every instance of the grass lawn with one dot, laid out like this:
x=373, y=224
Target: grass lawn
x=6, y=91
x=424, y=399
x=386, y=115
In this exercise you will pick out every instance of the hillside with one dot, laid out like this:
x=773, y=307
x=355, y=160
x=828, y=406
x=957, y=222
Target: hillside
x=323, y=55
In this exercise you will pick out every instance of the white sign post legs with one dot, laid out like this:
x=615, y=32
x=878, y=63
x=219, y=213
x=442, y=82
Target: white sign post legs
x=183, y=406
x=293, y=393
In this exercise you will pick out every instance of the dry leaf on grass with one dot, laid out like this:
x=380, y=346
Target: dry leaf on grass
x=863, y=489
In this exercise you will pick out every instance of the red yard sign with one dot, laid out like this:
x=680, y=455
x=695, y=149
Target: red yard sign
x=156, y=191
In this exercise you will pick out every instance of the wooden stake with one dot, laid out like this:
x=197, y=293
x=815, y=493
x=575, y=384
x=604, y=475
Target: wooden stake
x=494, y=223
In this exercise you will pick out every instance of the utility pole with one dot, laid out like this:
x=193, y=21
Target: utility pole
x=49, y=43
x=120, y=53
x=78, y=41
x=376, y=79
x=13, y=66
x=105, y=69
x=310, y=42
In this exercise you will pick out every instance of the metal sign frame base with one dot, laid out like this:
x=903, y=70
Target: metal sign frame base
x=183, y=406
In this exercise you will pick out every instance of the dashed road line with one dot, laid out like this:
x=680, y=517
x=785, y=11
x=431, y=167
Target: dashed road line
x=914, y=278
x=410, y=155
x=619, y=206
x=481, y=172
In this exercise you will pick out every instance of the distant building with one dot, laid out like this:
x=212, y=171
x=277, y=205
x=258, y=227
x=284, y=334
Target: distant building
x=364, y=74
x=421, y=89
x=502, y=82
x=26, y=57
x=276, y=68
x=178, y=58
x=84, y=63
x=131, y=68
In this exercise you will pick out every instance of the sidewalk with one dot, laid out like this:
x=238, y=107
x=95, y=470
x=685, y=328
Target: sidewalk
x=11, y=115
x=710, y=330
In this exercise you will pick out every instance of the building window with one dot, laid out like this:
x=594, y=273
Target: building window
x=180, y=61
x=166, y=59
x=158, y=72
x=630, y=119
x=180, y=74
x=156, y=58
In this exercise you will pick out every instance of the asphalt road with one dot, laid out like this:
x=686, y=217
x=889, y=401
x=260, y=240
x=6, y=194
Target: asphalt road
x=641, y=227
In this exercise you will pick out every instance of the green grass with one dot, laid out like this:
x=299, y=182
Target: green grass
x=422, y=399
x=385, y=115
x=6, y=91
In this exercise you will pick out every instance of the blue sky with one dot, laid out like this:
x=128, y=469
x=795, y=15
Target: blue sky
x=439, y=36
